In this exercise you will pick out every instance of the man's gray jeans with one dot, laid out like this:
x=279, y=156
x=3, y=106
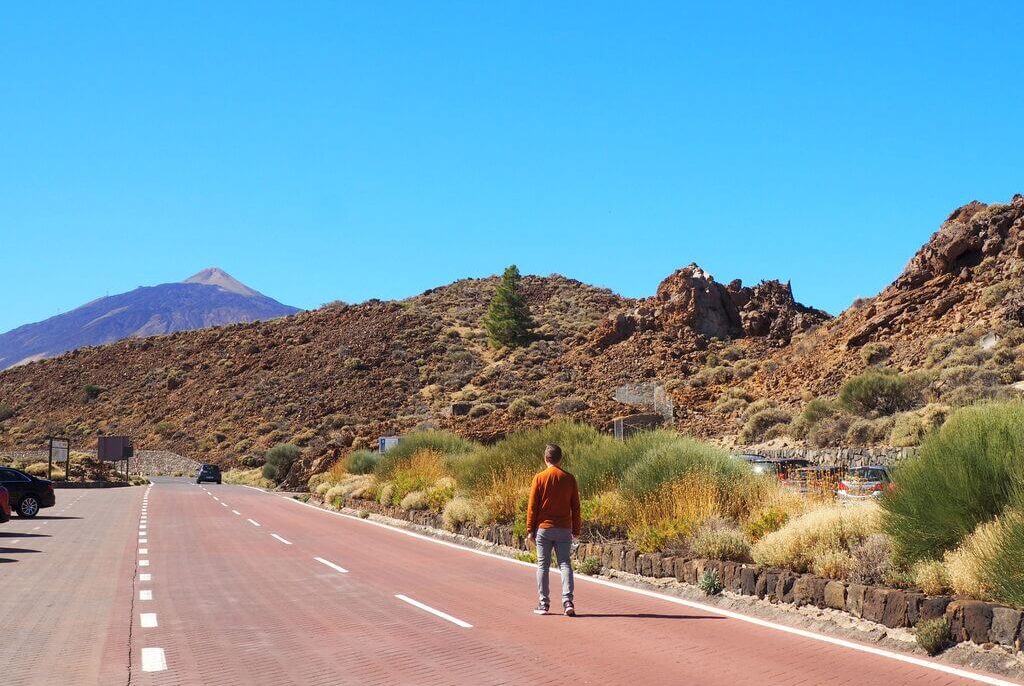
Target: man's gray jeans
x=561, y=541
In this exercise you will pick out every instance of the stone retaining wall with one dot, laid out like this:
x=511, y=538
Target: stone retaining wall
x=839, y=457
x=162, y=462
x=970, y=620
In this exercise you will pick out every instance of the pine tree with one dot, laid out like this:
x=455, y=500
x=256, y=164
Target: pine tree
x=508, y=321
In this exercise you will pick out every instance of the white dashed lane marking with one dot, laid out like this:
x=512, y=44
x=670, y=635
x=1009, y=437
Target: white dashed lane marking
x=153, y=660
x=281, y=539
x=438, y=613
x=145, y=595
x=254, y=522
x=331, y=565
x=148, y=620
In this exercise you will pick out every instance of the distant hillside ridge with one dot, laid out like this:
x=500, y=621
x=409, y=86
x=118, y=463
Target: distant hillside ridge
x=212, y=297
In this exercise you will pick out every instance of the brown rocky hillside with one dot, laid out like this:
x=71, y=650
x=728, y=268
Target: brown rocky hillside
x=342, y=375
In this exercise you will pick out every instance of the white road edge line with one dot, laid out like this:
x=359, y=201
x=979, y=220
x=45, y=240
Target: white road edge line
x=254, y=522
x=442, y=615
x=148, y=620
x=153, y=660
x=331, y=565
x=281, y=539
x=804, y=633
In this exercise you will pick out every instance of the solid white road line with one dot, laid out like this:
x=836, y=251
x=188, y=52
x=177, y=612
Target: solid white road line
x=153, y=660
x=145, y=577
x=281, y=539
x=880, y=652
x=236, y=512
x=145, y=595
x=148, y=620
x=331, y=565
x=254, y=522
x=143, y=563
x=442, y=615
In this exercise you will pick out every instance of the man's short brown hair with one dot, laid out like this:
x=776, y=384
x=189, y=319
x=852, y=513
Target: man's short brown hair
x=552, y=453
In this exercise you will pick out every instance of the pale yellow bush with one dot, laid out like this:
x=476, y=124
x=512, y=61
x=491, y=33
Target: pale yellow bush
x=414, y=500
x=967, y=565
x=833, y=564
x=386, y=493
x=931, y=577
x=460, y=510
x=801, y=541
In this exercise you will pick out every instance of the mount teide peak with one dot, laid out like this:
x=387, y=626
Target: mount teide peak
x=211, y=297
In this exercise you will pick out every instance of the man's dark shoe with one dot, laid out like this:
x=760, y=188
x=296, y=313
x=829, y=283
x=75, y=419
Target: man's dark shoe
x=568, y=608
x=542, y=609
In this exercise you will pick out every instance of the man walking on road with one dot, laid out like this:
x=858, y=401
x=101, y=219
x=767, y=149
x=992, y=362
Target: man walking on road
x=553, y=521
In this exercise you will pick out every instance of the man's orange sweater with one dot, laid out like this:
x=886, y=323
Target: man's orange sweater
x=554, y=502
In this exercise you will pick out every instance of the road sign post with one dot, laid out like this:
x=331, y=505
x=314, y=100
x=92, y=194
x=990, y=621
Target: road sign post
x=60, y=451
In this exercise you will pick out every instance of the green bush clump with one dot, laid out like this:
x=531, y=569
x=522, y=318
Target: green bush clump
x=933, y=635
x=760, y=424
x=362, y=462
x=520, y=455
x=877, y=392
x=710, y=582
x=814, y=412
x=966, y=474
x=444, y=442
x=6, y=412
x=590, y=566
x=665, y=457
x=91, y=391
x=279, y=461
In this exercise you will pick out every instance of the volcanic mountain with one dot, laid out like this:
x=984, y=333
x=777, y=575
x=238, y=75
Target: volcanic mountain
x=209, y=298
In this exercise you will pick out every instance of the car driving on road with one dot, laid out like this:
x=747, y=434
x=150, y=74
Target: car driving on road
x=861, y=483
x=28, y=494
x=208, y=472
x=5, y=505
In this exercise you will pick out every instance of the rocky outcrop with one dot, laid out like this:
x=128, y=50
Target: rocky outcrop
x=691, y=303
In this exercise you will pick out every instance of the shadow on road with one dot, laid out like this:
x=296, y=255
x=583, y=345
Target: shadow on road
x=17, y=550
x=56, y=517
x=643, y=615
x=6, y=559
x=14, y=534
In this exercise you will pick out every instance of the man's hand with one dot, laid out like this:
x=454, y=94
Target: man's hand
x=532, y=538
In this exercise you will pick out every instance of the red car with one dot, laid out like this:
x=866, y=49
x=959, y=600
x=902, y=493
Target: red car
x=5, y=505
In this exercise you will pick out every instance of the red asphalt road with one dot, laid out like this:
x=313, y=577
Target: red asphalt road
x=234, y=605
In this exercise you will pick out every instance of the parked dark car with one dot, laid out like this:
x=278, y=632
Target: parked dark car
x=782, y=468
x=5, y=505
x=208, y=472
x=28, y=494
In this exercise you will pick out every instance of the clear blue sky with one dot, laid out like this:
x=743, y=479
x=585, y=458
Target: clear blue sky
x=321, y=151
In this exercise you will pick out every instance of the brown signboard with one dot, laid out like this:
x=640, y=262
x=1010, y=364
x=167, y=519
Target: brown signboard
x=114, y=448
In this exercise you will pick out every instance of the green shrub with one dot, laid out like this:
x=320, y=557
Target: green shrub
x=667, y=457
x=522, y=407
x=520, y=455
x=279, y=461
x=481, y=410
x=933, y=635
x=764, y=522
x=813, y=412
x=931, y=577
x=759, y=424
x=710, y=582
x=591, y=566
x=6, y=412
x=966, y=474
x=877, y=392
x=443, y=442
x=362, y=462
